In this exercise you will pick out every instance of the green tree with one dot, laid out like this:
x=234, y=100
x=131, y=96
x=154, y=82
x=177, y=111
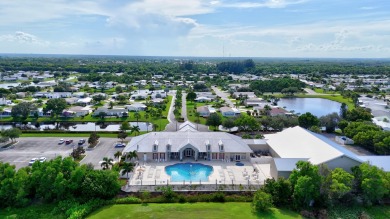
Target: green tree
x=191, y=96
x=343, y=110
x=330, y=121
x=228, y=123
x=122, y=135
x=22, y=110
x=93, y=138
x=358, y=114
x=137, y=116
x=117, y=154
x=77, y=152
x=246, y=123
x=127, y=168
x=280, y=190
x=306, y=183
x=107, y=163
x=11, y=133
x=308, y=120
x=214, y=120
x=342, y=125
x=261, y=201
x=124, y=126
x=135, y=129
x=118, y=89
x=56, y=106
x=341, y=183
x=98, y=98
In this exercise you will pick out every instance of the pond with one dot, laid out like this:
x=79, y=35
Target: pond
x=316, y=106
x=85, y=127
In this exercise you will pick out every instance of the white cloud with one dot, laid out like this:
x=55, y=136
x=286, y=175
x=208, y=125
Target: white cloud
x=263, y=4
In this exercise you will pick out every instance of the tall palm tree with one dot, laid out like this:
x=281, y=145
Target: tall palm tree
x=127, y=168
x=107, y=162
x=146, y=116
x=135, y=129
x=118, y=154
x=132, y=154
x=137, y=116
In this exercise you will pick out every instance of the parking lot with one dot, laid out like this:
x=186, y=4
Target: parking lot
x=27, y=148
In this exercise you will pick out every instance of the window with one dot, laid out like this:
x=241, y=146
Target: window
x=168, y=147
x=154, y=147
x=214, y=156
x=208, y=148
x=221, y=156
x=155, y=156
x=221, y=148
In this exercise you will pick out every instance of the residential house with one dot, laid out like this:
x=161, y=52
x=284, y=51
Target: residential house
x=80, y=94
x=277, y=111
x=84, y=101
x=229, y=112
x=75, y=111
x=136, y=107
x=4, y=101
x=253, y=102
x=203, y=111
x=249, y=95
x=121, y=112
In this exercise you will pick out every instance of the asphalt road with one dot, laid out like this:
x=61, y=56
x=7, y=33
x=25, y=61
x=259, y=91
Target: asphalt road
x=223, y=95
x=27, y=148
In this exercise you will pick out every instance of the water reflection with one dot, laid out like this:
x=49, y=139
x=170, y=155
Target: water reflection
x=316, y=106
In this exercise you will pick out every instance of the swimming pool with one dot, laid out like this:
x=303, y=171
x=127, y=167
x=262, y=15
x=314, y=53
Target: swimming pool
x=189, y=172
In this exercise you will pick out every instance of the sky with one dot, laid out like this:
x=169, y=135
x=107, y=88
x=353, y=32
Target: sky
x=211, y=28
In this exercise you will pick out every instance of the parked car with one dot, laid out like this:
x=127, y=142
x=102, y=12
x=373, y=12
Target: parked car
x=32, y=161
x=42, y=159
x=81, y=141
x=61, y=141
x=120, y=145
x=68, y=141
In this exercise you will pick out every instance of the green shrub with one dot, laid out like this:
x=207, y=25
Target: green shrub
x=168, y=193
x=128, y=200
x=218, y=197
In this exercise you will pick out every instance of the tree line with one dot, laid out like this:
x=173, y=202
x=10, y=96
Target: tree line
x=311, y=187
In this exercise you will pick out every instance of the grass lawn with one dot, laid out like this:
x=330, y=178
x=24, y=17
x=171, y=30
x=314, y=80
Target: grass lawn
x=234, y=210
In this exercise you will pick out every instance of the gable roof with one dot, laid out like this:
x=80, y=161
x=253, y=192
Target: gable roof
x=298, y=142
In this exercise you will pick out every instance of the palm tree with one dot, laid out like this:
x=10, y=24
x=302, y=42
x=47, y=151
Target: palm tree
x=127, y=168
x=107, y=162
x=134, y=129
x=132, y=154
x=137, y=116
x=118, y=154
x=146, y=116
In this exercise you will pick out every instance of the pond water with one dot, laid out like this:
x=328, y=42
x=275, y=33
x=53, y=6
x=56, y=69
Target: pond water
x=316, y=106
x=90, y=126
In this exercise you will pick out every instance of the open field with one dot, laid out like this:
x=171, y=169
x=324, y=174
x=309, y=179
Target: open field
x=234, y=210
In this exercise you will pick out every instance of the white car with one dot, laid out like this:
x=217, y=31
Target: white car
x=61, y=141
x=42, y=159
x=32, y=161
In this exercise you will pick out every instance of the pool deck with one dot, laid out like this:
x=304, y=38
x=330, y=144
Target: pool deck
x=149, y=175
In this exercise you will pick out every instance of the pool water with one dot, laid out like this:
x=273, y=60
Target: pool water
x=189, y=172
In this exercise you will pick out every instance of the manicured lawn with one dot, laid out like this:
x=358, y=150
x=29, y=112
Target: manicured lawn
x=34, y=211
x=234, y=210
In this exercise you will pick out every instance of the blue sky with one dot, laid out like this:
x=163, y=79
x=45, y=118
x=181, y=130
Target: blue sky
x=249, y=28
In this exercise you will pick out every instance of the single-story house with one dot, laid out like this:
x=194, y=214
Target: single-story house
x=80, y=94
x=203, y=99
x=71, y=100
x=203, y=111
x=75, y=111
x=136, y=107
x=4, y=101
x=250, y=95
x=229, y=112
x=121, y=112
x=277, y=111
x=5, y=113
x=253, y=102
x=84, y=101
